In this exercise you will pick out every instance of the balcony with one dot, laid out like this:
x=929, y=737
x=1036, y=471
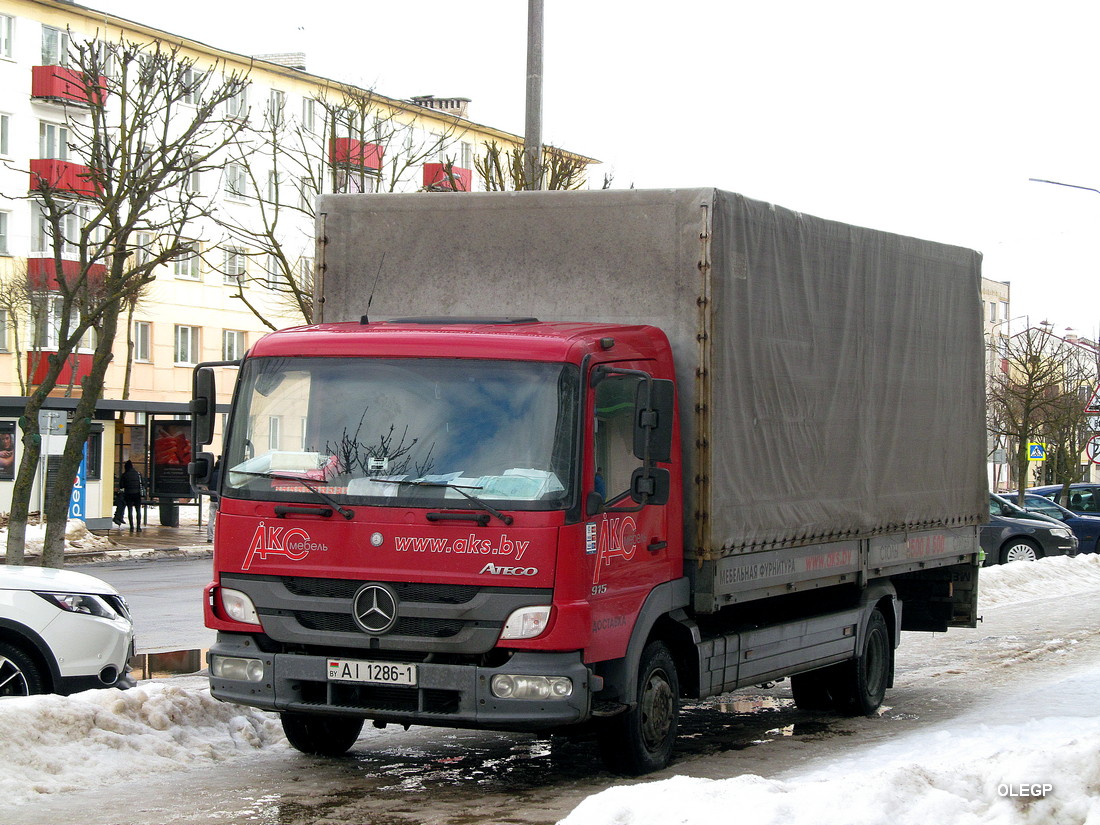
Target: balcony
x=77, y=366
x=350, y=152
x=436, y=178
x=61, y=85
x=61, y=175
x=42, y=273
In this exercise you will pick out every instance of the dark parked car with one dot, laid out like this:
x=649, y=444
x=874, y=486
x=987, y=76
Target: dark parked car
x=1007, y=539
x=1085, y=527
x=1081, y=498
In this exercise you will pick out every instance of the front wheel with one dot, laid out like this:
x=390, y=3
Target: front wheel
x=19, y=675
x=321, y=735
x=640, y=741
x=1020, y=550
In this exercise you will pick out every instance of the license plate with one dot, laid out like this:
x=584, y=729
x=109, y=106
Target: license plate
x=379, y=673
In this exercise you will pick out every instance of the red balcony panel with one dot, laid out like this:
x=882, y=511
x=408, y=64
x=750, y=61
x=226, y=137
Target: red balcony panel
x=63, y=175
x=60, y=83
x=355, y=153
x=42, y=273
x=38, y=363
x=436, y=177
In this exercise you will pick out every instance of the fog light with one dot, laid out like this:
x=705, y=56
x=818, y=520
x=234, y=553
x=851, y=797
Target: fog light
x=238, y=669
x=506, y=686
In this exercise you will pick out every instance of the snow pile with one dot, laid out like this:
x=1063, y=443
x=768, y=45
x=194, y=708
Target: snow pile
x=51, y=744
x=1035, y=773
x=1022, y=581
x=77, y=537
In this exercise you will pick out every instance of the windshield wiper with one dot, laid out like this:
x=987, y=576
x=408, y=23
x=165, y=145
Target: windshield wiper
x=507, y=519
x=325, y=497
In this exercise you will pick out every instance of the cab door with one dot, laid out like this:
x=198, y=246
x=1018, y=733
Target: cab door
x=626, y=544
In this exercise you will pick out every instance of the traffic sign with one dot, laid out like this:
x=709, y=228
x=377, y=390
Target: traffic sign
x=1092, y=449
x=1036, y=452
x=1094, y=403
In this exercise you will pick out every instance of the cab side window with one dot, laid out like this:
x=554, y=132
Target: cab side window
x=614, y=435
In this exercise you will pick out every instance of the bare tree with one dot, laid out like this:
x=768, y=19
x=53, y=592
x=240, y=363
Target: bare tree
x=502, y=169
x=1036, y=397
x=352, y=141
x=144, y=121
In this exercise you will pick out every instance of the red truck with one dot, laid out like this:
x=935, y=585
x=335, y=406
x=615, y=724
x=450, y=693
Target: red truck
x=556, y=461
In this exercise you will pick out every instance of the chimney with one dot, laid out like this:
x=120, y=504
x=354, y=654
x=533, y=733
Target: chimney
x=291, y=60
x=456, y=106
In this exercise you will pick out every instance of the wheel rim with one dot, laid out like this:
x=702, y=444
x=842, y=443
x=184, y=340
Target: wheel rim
x=657, y=710
x=1020, y=552
x=13, y=682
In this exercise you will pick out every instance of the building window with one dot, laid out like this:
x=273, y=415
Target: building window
x=46, y=319
x=192, y=82
x=235, y=265
x=3, y=330
x=53, y=141
x=3, y=233
x=273, y=272
x=94, y=455
x=236, y=107
x=5, y=125
x=309, y=114
x=276, y=103
x=232, y=344
x=305, y=271
x=308, y=191
x=274, y=428
x=273, y=182
x=188, y=265
x=187, y=345
x=7, y=30
x=55, y=47
x=236, y=181
x=143, y=350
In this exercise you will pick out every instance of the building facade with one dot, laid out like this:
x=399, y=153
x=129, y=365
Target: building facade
x=305, y=135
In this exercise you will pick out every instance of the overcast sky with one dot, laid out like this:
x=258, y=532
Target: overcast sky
x=923, y=119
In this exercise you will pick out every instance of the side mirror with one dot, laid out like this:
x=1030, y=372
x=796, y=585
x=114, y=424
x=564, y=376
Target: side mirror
x=593, y=504
x=650, y=486
x=200, y=470
x=203, y=405
x=653, y=407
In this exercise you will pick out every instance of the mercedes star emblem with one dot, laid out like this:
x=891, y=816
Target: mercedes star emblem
x=374, y=608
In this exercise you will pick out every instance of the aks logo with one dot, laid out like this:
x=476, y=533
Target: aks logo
x=293, y=543
x=617, y=539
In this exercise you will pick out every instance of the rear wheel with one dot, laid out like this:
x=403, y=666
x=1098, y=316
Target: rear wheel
x=321, y=735
x=1020, y=550
x=19, y=675
x=860, y=685
x=640, y=740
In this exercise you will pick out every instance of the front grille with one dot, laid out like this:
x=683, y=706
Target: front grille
x=343, y=623
x=406, y=591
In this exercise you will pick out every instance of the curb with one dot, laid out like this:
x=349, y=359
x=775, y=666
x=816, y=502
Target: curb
x=123, y=554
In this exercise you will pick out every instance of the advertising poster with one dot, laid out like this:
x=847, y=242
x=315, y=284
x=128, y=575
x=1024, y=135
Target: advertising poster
x=7, y=450
x=171, y=452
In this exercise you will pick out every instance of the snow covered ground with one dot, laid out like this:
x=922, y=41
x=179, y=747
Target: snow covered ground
x=1006, y=768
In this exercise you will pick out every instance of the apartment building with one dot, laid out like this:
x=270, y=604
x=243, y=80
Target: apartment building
x=213, y=302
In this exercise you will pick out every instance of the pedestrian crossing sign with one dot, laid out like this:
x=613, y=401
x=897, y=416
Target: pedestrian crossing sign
x=1036, y=452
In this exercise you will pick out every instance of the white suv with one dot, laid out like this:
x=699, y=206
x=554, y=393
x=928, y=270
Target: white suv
x=61, y=632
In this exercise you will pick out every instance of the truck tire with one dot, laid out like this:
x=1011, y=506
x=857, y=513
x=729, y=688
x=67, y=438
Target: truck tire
x=640, y=741
x=1020, y=550
x=860, y=685
x=319, y=734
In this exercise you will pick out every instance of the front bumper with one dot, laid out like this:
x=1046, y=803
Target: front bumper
x=447, y=695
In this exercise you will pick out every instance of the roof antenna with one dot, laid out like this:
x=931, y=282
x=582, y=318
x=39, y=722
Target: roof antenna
x=365, y=320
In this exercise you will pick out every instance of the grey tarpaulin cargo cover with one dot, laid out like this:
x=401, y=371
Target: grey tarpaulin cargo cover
x=830, y=376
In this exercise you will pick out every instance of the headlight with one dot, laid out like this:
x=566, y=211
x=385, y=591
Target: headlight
x=526, y=623
x=238, y=606
x=1061, y=531
x=507, y=686
x=234, y=667
x=81, y=603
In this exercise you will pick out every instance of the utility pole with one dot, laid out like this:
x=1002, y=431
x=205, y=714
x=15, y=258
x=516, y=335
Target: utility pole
x=532, y=138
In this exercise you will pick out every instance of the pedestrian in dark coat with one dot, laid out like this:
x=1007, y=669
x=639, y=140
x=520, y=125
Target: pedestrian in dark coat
x=131, y=494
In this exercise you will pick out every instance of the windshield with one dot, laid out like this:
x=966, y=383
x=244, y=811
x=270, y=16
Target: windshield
x=363, y=430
